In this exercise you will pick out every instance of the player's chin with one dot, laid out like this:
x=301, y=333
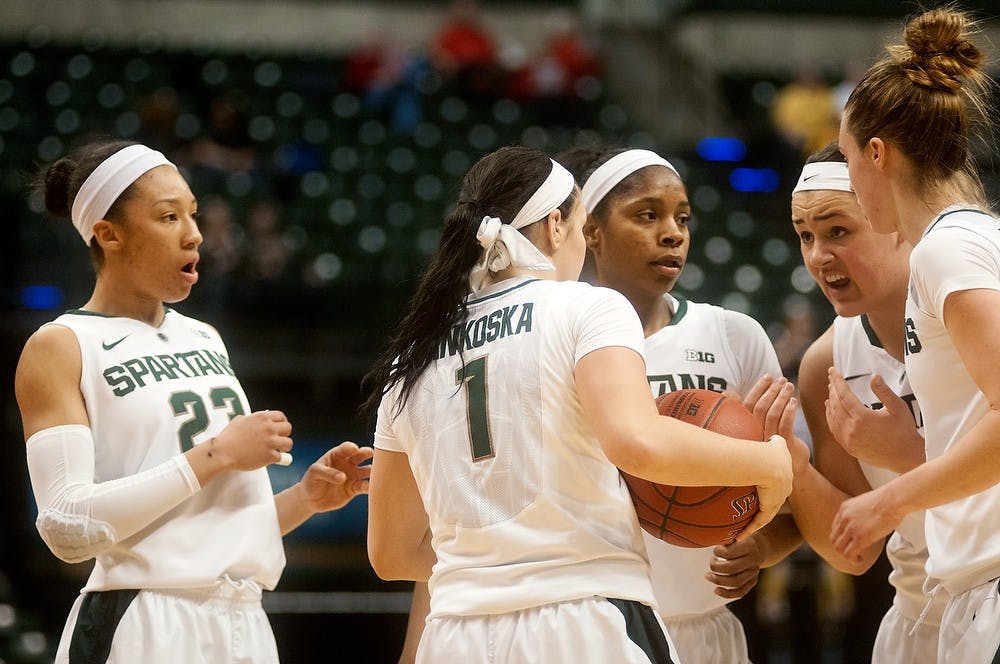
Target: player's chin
x=178, y=294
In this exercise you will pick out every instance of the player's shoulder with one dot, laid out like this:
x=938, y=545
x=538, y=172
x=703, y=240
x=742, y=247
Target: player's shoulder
x=51, y=339
x=734, y=322
x=958, y=225
x=174, y=318
x=50, y=351
x=582, y=293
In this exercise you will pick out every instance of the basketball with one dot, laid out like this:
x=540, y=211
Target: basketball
x=696, y=517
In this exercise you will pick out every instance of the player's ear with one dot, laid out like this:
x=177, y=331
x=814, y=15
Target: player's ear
x=555, y=231
x=107, y=234
x=591, y=233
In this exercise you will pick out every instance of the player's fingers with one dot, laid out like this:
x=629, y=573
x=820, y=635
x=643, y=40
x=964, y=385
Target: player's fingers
x=363, y=454
x=330, y=474
x=761, y=519
x=773, y=418
x=758, y=390
x=735, y=592
x=884, y=393
x=766, y=400
x=732, y=567
x=786, y=425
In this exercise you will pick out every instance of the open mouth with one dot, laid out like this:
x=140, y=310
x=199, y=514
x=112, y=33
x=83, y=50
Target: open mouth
x=836, y=280
x=670, y=261
x=668, y=265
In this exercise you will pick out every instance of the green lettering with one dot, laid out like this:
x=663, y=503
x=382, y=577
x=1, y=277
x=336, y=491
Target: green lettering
x=120, y=383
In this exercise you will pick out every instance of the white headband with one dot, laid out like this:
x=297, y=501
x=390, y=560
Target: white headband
x=823, y=176
x=616, y=169
x=107, y=182
x=504, y=246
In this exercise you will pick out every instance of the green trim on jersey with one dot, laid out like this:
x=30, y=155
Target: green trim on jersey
x=682, y=308
x=85, y=312
x=947, y=214
x=873, y=339
x=503, y=292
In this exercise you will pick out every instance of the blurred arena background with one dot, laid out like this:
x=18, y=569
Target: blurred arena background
x=325, y=139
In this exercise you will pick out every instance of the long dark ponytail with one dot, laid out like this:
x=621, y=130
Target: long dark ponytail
x=497, y=185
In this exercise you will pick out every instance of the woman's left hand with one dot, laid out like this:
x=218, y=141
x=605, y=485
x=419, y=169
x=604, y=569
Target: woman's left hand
x=862, y=520
x=336, y=477
x=735, y=568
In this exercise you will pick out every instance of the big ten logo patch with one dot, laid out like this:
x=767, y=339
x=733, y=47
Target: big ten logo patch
x=692, y=355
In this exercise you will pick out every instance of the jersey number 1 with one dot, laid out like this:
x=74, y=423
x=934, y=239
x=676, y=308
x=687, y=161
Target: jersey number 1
x=473, y=377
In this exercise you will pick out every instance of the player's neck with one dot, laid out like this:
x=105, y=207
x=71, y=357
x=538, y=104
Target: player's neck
x=116, y=301
x=887, y=323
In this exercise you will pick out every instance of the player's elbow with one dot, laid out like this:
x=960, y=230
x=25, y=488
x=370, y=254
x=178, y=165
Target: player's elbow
x=852, y=567
x=385, y=559
x=74, y=539
x=386, y=567
x=626, y=449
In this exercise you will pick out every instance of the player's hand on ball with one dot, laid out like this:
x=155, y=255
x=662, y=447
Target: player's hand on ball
x=735, y=568
x=336, y=477
x=253, y=441
x=771, y=495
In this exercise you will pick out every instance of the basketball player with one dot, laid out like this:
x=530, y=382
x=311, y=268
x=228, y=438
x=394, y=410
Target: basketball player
x=141, y=448
x=864, y=421
x=638, y=236
x=905, y=134
x=507, y=398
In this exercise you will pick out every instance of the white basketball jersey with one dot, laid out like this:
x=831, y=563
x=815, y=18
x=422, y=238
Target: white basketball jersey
x=858, y=354
x=959, y=251
x=524, y=506
x=704, y=347
x=151, y=393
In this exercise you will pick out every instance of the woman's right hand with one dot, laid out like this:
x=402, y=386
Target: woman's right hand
x=252, y=441
x=772, y=493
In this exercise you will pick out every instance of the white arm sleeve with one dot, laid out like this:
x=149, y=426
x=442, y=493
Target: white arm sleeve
x=79, y=519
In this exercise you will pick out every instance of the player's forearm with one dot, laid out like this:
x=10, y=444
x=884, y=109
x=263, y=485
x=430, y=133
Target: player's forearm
x=292, y=510
x=971, y=465
x=815, y=501
x=668, y=451
x=779, y=539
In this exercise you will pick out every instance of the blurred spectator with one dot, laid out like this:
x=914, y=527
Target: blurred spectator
x=464, y=51
x=798, y=331
x=158, y=113
x=568, y=57
x=554, y=76
x=386, y=76
x=804, y=112
x=267, y=254
x=225, y=146
x=842, y=90
x=270, y=278
x=220, y=255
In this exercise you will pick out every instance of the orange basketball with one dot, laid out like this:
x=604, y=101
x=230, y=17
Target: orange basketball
x=696, y=517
